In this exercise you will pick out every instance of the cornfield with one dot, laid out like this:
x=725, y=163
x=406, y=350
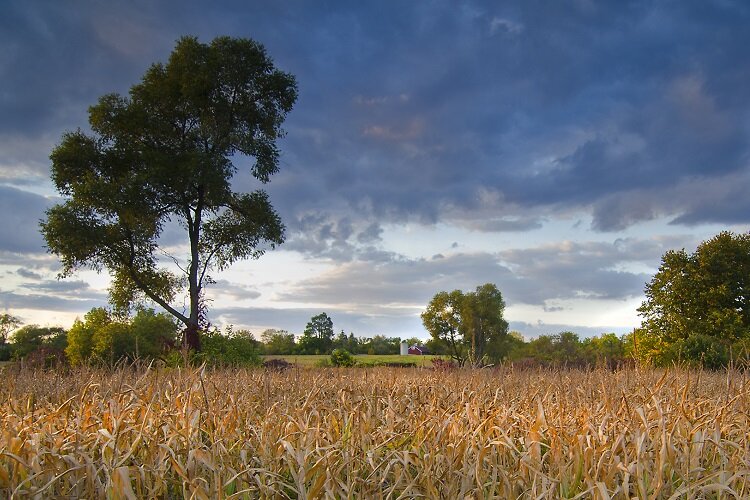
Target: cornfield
x=374, y=433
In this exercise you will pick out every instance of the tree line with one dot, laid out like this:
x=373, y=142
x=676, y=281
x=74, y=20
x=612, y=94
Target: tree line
x=102, y=338
x=696, y=312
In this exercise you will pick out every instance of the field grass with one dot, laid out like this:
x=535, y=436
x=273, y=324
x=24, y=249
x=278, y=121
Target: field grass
x=312, y=360
x=374, y=433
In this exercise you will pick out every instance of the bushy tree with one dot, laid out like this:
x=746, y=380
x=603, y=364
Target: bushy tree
x=318, y=335
x=342, y=357
x=470, y=326
x=152, y=333
x=8, y=323
x=81, y=335
x=230, y=348
x=349, y=342
x=278, y=342
x=29, y=338
x=102, y=338
x=163, y=155
x=698, y=305
x=442, y=319
x=606, y=348
x=380, y=344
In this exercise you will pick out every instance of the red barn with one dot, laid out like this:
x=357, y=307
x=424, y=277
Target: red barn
x=418, y=350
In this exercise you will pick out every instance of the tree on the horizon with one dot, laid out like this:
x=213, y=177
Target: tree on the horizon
x=697, y=305
x=165, y=154
x=470, y=325
x=278, y=341
x=318, y=335
x=8, y=323
x=29, y=338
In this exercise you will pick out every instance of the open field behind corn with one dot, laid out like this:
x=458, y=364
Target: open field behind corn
x=312, y=360
x=374, y=433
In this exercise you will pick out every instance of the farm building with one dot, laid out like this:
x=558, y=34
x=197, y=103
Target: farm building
x=419, y=350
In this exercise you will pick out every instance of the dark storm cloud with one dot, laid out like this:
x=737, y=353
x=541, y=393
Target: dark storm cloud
x=574, y=270
x=408, y=111
x=399, y=282
x=47, y=302
x=64, y=288
x=25, y=273
x=492, y=117
x=575, y=109
x=19, y=224
x=234, y=290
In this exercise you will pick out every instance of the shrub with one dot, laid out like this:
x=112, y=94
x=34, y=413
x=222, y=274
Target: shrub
x=342, y=357
x=234, y=348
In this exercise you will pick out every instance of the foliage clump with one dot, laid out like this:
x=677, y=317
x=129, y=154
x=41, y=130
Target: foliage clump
x=164, y=157
x=470, y=326
x=342, y=357
x=102, y=338
x=697, y=307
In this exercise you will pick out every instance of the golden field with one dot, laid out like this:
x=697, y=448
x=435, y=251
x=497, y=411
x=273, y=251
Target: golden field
x=374, y=433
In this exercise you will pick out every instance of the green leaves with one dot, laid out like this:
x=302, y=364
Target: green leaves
x=700, y=296
x=318, y=335
x=164, y=153
x=470, y=325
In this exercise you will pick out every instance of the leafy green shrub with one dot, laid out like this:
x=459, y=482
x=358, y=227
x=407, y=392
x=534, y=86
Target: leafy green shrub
x=342, y=357
x=230, y=349
x=702, y=350
x=104, y=339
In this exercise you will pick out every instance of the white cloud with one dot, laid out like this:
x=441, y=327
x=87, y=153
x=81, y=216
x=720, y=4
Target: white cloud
x=505, y=26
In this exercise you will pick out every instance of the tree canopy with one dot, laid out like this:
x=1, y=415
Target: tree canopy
x=8, y=323
x=469, y=325
x=165, y=155
x=318, y=335
x=697, y=305
x=100, y=338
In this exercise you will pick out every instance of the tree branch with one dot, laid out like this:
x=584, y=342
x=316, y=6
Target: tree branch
x=130, y=265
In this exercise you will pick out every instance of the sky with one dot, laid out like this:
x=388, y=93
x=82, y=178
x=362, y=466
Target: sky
x=554, y=148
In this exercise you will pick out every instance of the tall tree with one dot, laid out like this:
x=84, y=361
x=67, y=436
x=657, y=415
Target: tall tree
x=165, y=154
x=483, y=323
x=8, y=323
x=700, y=302
x=470, y=325
x=318, y=335
x=278, y=341
x=442, y=319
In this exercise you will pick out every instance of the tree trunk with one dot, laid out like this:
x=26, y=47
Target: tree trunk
x=191, y=338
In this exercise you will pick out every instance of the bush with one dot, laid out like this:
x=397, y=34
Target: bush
x=234, y=348
x=702, y=350
x=342, y=357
